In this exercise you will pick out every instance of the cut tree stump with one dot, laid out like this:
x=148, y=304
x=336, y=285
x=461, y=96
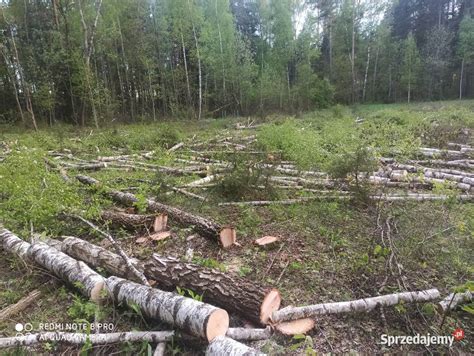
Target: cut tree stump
x=21, y=305
x=226, y=346
x=203, y=226
x=251, y=300
x=80, y=339
x=360, y=305
x=197, y=318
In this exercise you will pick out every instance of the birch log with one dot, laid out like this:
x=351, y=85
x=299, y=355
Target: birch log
x=203, y=226
x=246, y=334
x=68, y=269
x=251, y=300
x=197, y=318
x=80, y=339
x=454, y=299
x=360, y=305
x=63, y=266
x=226, y=346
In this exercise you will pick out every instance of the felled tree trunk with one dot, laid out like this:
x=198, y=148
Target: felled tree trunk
x=197, y=318
x=454, y=299
x=127, y=221
x=251, y=300
x=360, y=305
x=226, y=346
x=203, y=226
x=63, y=266
x=80, y=339
x=245, y=334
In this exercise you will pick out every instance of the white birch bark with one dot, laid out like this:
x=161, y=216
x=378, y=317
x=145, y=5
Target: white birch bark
x=197, y=318
x=454, y=299
x=246, y=334
x=222, y=345
x=68, y=269
x=80, y=338
x=13, y=243
x=360, y=305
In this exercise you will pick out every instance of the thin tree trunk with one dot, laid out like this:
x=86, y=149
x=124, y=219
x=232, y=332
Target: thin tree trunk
x=13, y=80
x=374, y=79
x=188, y=86
x=222, y=345
x=366, y=73
x=83, y=338
x=461, y=79
x=360, y=305
x=199, y=72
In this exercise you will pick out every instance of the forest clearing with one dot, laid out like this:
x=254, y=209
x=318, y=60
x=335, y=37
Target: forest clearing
x=236, y=177
x=354, y=203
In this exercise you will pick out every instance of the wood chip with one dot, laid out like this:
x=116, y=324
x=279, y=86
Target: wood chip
x=266, y=240
x=160, y=235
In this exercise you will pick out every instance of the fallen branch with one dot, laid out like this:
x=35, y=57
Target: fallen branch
x=176, y=147
x=80, y=339
x=360, y=305
x=21, y=305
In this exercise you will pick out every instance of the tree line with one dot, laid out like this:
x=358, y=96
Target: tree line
x=89, y=62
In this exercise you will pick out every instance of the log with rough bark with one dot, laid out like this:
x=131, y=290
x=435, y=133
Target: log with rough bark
x=197, y=318
x=251, y=300
x=360, y=305
x=455, y=299
x=119, y=250
x=63, y=266
x=203, y=226
x=21, y=305
x=247, y=334
x=80, y=338
x=226, y=346
x=465, y=164
x=128, y=221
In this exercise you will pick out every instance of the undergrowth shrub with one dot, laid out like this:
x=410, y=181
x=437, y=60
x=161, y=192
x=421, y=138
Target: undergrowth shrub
x=248, y=180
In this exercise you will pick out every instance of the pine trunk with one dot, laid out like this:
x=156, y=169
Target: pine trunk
x=249, y=299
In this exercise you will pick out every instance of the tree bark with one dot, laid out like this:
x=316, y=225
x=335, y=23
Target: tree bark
x=203, y=226
x=246, y=334
x=63, y=266
x=360, y=305
x=454, y=299
x=128, y=221
x=226, y=346
x=252, y=301
x=197, y=318
x=461, y=79
x=19, y=306
x=80, y=339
